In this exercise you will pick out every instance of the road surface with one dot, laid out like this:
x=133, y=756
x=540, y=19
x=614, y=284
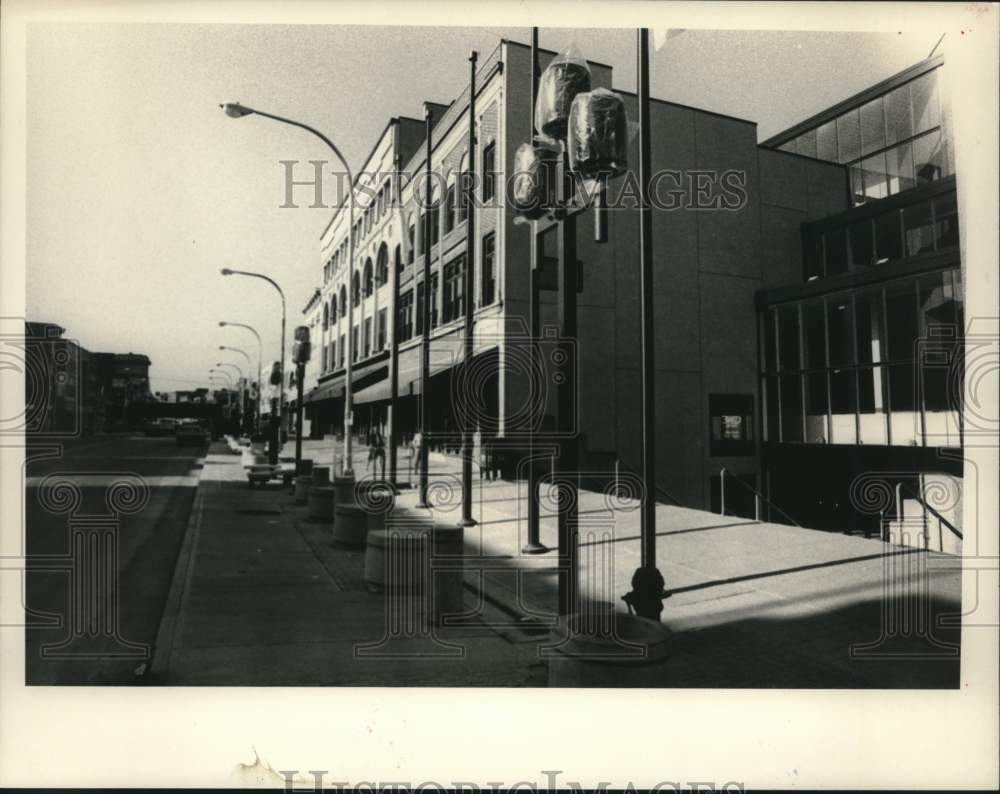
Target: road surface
x=86, y=627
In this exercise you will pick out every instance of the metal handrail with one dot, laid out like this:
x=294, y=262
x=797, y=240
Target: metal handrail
x=899, y=510
x=658, y=489
x=758, y=496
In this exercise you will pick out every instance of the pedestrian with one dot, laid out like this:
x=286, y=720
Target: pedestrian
x=376, y=451
x=418, y=440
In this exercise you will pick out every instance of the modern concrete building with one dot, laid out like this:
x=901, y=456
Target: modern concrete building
x=735, y=240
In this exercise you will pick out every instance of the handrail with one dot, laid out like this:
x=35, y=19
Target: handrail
x=899, y=510
x=757, y=494
x=657, y=488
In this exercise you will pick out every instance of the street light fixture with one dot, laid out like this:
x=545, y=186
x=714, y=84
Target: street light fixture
x=260, y=358
x=237, y=111
x=281, y=386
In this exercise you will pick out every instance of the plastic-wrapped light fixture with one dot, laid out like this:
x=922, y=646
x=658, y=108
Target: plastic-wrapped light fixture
x=597, y=134
x=534, y=168
x=566, y=76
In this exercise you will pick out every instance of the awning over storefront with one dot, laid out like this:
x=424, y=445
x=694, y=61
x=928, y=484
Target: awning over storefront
x=327, y=391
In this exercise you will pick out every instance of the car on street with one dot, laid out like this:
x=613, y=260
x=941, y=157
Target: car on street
x=161, y=426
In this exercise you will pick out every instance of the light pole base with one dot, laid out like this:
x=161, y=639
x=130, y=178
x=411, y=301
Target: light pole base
x=467, y=522
x=534, y=548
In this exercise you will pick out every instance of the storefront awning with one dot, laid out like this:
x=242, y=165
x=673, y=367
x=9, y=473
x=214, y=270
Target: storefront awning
x=328, y=391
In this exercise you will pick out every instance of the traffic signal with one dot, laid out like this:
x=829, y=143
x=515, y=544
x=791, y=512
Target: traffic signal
x=301, y=348
x=276, y=373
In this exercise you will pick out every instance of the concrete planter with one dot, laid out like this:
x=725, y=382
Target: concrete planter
x=321, y=475
x=396, y=560
x=302, y=485
x=344, y=490
x=350, y=525
x=320, y=505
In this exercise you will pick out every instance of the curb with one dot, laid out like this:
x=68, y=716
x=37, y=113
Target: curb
x=163, y=645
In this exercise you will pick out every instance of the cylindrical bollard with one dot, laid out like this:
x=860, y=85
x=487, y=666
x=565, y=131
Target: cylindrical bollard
x=604, y=648
x=320, y=505
x=321, y=475
x=305, y=466
x=350, y=525
x=447, y=571
x=343, y=490
x=302, y=485
x=397, y=559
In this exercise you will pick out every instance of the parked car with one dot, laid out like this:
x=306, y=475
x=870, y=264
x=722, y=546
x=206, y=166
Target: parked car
x=163, y=426
x=191, y=433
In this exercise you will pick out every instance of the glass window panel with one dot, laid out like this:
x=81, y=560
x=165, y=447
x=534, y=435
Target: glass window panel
x=814, y=335
x=814, y=256
x=862, y=243
x=840, y=328
x=941, y=407
x=843, y=404
x=904, y=417
x=849, y=136
x=946, y=221
x=928, y=157
x=836, y=251
x=791, y=407
x=926, y=108
x=806, y=143
x=901, y=319
x=868, y=327
x=888, y=239
x=857, y=177
x=958, y=292
x=771, y=400
x=770, y=343
x=826, y=141
x=899, y=167
x=876, y=181
x=938, y=307
x=899, y=123
x=872, y=126
x=871, y=413
x=918, y=228
x=788, y=337
x=816, y=404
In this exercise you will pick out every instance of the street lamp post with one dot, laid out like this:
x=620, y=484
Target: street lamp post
x=244, y=397
x=281, y=387
x=236, y=110
x=425, y=313
x=260, y=359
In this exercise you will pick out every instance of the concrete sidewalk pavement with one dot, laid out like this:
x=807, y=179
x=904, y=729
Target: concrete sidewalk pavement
x=262, y=597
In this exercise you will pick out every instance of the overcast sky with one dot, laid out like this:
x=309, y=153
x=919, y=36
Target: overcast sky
x=140, y=189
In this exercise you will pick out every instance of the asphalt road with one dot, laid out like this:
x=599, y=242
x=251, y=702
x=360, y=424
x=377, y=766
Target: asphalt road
x=85, y=626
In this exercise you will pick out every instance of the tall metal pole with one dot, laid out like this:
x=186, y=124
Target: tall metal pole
x=300, y=371
x=566, y=394
x=260, y=361
x=470, y=259
x=647, y=582
x=394, y=342
x=425, y=313
x=533, y=544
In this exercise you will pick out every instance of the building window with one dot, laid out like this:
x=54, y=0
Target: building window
x=449, y=209
x=333, y=355
x=356, y=290
x=489, y=172
x=333, y=310
x=326, y=316
x=355, y=352
x=424, y=236
x=368, y=336
x=382, y=266
x=404, y=318
x=434, y=300
x=411, y=235
x=420, y=307
x=343, y=348
x=369, y=279
x=731, y=424
x=454, y=289
x=489, y=269
x=380, y=342
x=343, y=301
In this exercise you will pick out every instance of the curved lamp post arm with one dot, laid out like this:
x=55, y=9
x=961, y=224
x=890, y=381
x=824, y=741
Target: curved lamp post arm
x=260, y=358
x=236, y=110
x=241, y=352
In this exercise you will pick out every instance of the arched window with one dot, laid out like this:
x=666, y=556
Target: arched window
x=382, y=266
x=333, y=310
x=369, y=284
x=411, y=236
x=343, y=300
x=326, y=316
x=356, y=289
x=462, y=187
x=448, y=210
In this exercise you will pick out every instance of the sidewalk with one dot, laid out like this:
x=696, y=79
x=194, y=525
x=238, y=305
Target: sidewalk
x=263, y=598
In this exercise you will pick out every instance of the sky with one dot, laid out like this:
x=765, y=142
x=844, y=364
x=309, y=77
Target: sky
x=139, y=189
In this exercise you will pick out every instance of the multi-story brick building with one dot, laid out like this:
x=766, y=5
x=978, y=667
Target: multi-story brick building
x=735, y=245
